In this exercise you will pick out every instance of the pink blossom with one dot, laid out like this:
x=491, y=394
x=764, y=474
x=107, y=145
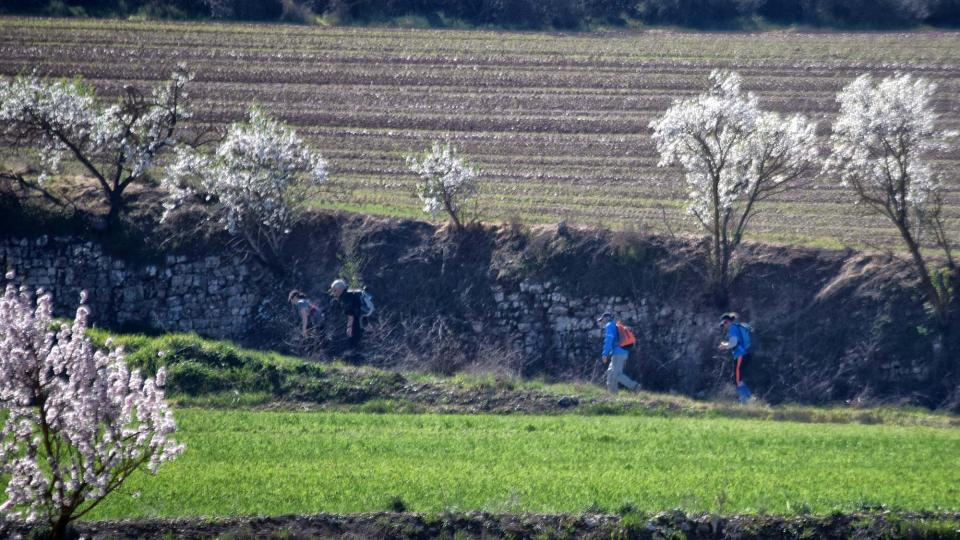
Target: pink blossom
x=80, y=412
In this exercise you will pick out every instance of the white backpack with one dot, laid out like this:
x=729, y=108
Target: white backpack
x=366, y=302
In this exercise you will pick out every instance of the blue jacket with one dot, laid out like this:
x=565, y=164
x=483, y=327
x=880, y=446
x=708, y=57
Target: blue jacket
x=738, y=331
x=611, y=340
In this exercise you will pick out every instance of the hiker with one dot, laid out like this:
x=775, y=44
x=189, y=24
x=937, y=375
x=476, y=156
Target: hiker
x=304, y=307
x=614, y=354
x=739, y=344
x=352, y=303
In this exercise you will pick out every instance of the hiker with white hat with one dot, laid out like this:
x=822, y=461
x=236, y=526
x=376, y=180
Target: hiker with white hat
x=358, y=306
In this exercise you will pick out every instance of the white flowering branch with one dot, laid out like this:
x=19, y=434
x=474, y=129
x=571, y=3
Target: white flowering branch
x=882, y=144
x=115, y=144
x=78, y=422
x=447, y=181
x=258, y=179
x=733, y=156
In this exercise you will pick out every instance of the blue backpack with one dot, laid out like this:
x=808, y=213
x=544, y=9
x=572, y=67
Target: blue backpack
x=746, y=337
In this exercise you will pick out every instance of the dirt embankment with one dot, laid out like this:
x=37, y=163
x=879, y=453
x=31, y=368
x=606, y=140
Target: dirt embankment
x=830, y=326
x=676, y=524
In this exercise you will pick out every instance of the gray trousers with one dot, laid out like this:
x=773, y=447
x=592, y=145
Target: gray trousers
x=615, y=374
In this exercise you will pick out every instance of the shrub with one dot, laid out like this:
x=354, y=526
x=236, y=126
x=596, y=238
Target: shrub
x=447, y=181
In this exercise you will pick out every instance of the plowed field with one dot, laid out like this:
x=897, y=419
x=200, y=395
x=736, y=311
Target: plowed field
x=557, y=122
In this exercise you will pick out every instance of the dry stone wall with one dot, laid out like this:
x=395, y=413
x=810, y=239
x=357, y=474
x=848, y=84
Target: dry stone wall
x=215, y=296
x=219, y=296
x=544, y=320
x=832, y=325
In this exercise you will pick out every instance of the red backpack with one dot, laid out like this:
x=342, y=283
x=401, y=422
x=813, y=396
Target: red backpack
x=627, y=339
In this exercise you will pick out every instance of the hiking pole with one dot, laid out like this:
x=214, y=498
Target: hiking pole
x=719, y=370
x=593, y=374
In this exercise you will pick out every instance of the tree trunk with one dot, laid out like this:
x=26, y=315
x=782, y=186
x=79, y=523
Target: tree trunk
x=116, y=207
x=937, y=300
x=60, y=527
x=722, y=294
x=718, y=272
x=448, y=205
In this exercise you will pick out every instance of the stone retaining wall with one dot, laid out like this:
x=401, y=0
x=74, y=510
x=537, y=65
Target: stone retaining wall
x=214, y=296
x=542, y=318
x=832, y=325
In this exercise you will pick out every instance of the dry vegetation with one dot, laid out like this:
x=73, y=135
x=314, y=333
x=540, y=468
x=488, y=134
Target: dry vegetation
x=557, y=122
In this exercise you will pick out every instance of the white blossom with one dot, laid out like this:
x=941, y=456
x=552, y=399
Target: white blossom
x=446, y=180
x=115, y=144
x=883, y=144
x=258, y=179
x=883, y=139
x=722, y=141
x=732, y=155
x=78, y=421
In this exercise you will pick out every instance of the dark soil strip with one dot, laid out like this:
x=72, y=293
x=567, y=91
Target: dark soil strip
x=674, y=524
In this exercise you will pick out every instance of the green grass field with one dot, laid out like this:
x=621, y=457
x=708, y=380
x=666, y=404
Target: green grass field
x=217, y=374
x=270, y=463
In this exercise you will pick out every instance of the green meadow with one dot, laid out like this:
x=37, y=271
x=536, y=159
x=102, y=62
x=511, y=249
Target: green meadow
x=271, y=463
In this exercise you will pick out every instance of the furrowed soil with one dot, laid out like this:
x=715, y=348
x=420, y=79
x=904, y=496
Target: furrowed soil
x=558, y=123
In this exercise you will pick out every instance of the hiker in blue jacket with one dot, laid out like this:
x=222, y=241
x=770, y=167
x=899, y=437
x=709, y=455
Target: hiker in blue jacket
x=739, y=344
x=614, y=356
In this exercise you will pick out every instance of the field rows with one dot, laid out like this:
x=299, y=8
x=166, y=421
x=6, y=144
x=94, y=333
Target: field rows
x=558, y=123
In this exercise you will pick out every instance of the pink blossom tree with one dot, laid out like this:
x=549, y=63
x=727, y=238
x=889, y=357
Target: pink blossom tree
x=78, y=422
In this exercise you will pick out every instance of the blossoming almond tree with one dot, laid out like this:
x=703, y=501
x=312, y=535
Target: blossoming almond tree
x=78, y=422
x=733, y=156
x=447, y=181
x=882, y=144
x=258, y=180
x=115, y=144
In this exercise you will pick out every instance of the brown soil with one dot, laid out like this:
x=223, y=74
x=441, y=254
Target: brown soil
x=675, y=524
